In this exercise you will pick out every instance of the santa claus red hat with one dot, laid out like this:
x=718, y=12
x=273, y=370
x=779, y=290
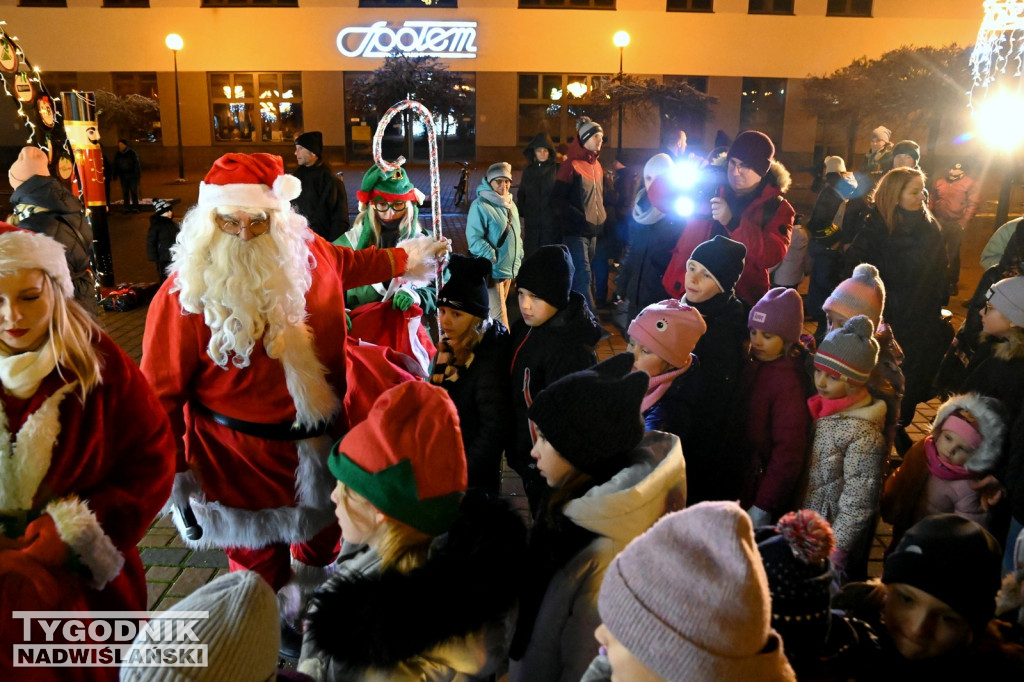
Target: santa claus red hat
x=249, y=181
x=24, y=250
x=407, y=457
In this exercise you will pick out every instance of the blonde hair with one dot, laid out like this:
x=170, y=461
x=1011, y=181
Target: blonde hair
x=400, y=547
x=886, y=195
x=73, y=334
x=408, y=227
x=474, y=335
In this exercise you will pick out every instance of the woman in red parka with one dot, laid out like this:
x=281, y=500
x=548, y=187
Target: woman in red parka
x=86, y=455
x=749, y=208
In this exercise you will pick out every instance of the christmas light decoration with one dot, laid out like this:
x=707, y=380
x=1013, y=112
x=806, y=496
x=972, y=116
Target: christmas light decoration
x=999, y=48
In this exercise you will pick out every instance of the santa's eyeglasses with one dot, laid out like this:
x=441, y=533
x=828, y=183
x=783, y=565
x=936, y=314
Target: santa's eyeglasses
x=381, y=206
x=255, y=224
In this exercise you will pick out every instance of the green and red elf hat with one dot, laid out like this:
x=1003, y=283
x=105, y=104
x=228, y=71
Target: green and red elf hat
x=391, y=185
x=407, y=457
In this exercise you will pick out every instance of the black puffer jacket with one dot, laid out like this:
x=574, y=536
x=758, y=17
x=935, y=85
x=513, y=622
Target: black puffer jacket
x=722, y=350
x=483, y=401
x=534, y=196
x=60, y=216
x=541, y=355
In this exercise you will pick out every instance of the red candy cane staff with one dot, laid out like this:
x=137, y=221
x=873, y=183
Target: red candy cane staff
x=435, y=176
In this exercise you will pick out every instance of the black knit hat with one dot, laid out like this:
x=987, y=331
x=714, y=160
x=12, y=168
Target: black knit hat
x=586, y=129
x=954, y=560
x=592, y=417
x=908, y=147
x=755, y=149
x=313, y=141
x=466, y=289
x=547, y=273
x=723, y=258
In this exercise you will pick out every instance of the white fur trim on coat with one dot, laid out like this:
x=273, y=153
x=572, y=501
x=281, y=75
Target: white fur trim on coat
x=306, y=378
x=251, y=195
x=81, y=530
x=225, y=526
x=25, y=460
x=990, y=425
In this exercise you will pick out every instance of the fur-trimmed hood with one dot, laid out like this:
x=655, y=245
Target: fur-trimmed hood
x=435, y=613
x=779, y=176
x=1009, y=348
x=991, y=426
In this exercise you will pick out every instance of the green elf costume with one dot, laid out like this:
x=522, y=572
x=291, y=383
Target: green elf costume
x=386, y=229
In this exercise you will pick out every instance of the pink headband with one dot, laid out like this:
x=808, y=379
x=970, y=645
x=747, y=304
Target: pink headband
x=962, y=428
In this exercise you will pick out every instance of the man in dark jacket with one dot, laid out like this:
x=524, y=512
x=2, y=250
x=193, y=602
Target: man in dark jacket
x=578, y=199
x=324, y=201
x=42, y=204
x=128, y=169
x=534, y=195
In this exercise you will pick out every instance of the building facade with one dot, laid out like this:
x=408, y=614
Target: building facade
x=252, y=73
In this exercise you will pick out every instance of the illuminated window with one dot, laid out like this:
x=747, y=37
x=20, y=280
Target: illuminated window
x=566, y=4
x=763, y=106
x=411, y=4
x=249, y=3
x=770, y=7
x=848, y=8
x=135, y=83
x=263, y=108
x=690, y=6
x=551, y=102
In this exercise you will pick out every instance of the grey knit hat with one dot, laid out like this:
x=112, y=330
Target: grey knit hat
x=242, y=633
x=586, y=129
x=1007, y=296
x=499, y=170
x=689, y=599
x=850, y=351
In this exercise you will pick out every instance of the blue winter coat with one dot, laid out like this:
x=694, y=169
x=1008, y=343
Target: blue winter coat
x=484, y=226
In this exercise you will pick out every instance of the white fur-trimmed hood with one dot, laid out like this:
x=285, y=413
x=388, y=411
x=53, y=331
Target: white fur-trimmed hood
x=992, y=428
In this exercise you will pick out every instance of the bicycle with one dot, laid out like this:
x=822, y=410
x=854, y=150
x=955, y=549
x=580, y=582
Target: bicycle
x=462, y=186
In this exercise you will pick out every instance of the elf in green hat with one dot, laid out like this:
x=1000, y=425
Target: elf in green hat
x=428, y=576
x=388, y=214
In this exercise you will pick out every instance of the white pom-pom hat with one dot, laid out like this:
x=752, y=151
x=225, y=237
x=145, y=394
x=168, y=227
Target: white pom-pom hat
x=24, y=250
x=250, y=181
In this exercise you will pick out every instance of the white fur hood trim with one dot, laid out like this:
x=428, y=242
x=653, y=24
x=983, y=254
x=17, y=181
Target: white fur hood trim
x=630, y=503
x=25, y=459
x=990, y=423
x=81, y=530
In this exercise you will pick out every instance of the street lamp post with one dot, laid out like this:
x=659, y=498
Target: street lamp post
x=621, y=40
x=175, y=43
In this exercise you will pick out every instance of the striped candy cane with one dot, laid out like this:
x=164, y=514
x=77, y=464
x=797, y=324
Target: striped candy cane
x=435, y=175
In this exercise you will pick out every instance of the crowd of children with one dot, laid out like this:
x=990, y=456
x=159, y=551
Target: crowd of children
x=702, y=506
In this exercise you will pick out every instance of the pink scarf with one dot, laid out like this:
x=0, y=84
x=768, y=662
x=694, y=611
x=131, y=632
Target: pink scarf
x=944, y=470
x=823, y=407
x=658, y=386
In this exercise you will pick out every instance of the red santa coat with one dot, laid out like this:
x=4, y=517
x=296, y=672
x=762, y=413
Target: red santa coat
x=250, y=491
x=99, y=472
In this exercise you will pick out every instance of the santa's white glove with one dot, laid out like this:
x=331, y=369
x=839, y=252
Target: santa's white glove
x=426, y=254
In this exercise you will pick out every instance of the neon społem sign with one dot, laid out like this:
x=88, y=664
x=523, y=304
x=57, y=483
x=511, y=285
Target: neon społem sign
x=447, y=39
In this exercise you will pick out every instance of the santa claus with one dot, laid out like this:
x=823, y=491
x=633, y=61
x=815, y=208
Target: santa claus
x=245, y=346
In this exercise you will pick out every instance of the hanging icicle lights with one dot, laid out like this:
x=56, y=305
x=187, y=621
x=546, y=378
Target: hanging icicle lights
x=999, y=49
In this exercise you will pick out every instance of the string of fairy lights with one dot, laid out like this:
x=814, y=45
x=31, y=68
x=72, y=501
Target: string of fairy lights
x=999, y=48
x=33, y=99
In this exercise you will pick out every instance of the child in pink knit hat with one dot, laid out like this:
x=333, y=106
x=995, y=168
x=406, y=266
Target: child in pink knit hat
x=662, y=339
x=772, y=400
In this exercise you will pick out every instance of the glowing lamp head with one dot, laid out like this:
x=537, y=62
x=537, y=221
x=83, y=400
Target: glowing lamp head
x=620, y=39
x=685, y=175
x=174, y=41
x=997, y=120
x=684, y=207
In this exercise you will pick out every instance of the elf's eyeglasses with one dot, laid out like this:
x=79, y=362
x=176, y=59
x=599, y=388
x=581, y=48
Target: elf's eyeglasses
x=381, y=206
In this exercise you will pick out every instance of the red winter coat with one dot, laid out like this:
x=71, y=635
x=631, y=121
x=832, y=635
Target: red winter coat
x=98, y=473
x=774, y=416
x=955, y=201
x=766, y=239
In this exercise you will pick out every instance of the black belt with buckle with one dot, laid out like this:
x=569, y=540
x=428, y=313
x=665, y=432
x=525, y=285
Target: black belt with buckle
x=278, y=431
